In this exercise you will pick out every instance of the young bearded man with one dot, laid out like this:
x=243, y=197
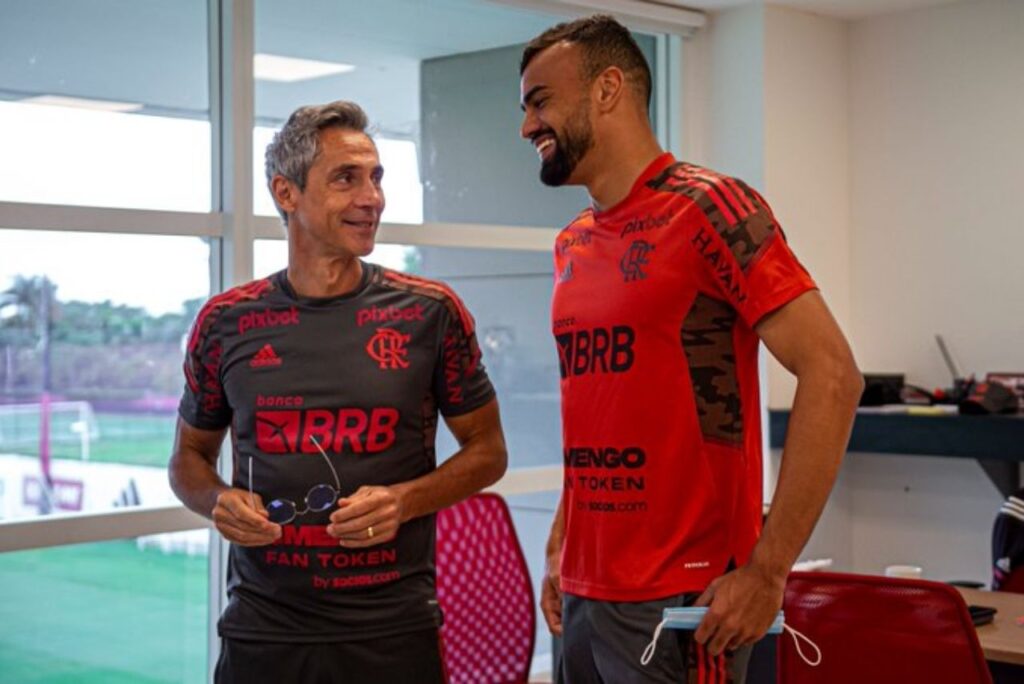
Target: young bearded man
x=665, y=287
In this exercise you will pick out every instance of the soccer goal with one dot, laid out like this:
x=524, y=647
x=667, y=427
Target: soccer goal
x=71, y=422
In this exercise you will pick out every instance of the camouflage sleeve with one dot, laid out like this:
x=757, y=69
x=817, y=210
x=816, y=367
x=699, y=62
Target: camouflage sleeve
x=749, y=261
x=461, y=384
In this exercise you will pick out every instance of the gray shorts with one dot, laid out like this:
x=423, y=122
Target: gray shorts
x=602, y=642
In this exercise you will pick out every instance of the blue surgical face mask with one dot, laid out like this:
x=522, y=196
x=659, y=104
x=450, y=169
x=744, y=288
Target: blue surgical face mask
x=690, y=618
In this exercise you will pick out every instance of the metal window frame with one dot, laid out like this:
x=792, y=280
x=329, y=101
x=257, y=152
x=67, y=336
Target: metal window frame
x=232, y=230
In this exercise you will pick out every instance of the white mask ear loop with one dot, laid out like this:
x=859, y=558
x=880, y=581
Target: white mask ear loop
x=797, y=636
x=649, y=651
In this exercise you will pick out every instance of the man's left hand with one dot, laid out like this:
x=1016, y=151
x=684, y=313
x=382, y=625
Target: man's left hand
x=742, y=605
x=369, y=517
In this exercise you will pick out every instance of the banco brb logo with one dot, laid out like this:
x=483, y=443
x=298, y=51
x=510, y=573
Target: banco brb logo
x=387, y=348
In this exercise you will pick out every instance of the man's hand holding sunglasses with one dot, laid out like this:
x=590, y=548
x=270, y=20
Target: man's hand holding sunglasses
x=371, y=516
x=241, y=517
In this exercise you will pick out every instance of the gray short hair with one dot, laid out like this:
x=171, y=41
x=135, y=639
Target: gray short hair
x=294, y=148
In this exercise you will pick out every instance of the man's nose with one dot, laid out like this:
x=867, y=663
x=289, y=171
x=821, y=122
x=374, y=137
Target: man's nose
x=529, y=127
x=371, y=195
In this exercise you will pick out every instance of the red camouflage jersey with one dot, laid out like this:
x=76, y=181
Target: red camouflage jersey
x=653, y=313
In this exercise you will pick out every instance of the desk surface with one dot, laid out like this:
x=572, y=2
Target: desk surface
x=999, y=438
x=1002, y=640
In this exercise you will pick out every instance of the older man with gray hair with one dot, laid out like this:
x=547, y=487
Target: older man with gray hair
x=330, y=375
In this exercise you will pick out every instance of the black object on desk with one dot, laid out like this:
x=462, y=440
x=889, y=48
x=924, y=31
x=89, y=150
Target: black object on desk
x=982, y=615
x=882, y=388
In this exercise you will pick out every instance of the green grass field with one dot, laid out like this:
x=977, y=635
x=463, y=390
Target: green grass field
x=102, y=613
x=123, y=438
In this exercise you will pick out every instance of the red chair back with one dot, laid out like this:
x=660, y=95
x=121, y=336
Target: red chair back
x=881, y=630
x=484, y=589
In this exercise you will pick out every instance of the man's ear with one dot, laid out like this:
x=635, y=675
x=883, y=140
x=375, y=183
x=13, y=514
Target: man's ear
x=608, y=88
x=285, y=193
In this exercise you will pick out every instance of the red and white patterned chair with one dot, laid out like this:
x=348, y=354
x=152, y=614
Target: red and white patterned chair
x=484, y=589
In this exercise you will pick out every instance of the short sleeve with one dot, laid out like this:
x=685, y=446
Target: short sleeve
x=203, y=403
x=460, y=382
x=750, y=262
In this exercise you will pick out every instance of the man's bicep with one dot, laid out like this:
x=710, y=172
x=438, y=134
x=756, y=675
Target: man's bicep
x=478, y=423
x=803, y=329
x=205, y=443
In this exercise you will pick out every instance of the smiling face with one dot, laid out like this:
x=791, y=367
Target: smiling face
x=338, y=212
x=556, y=107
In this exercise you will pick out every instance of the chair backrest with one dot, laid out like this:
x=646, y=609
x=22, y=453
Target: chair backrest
x=1008, y=545
x=881, y=630
x=485, y=593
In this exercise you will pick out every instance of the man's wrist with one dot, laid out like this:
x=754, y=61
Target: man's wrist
x=402, y=492
x=773, y=570
x=214, y=497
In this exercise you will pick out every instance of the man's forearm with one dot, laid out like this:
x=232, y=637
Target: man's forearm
x=195, y=481
x=557, y=535
x=478, y=464
x=816, y=439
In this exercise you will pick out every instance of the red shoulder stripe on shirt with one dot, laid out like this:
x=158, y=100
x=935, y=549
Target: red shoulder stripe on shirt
x=712, y=195
x=727, y=186
x=738, y=187
x=247, y=292
x=435, y=290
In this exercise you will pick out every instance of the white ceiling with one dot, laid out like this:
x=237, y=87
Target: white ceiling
x=843, y=9
x=155, y=52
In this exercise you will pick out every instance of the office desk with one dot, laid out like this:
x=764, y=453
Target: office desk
x=1002, y=640
x=996, y=442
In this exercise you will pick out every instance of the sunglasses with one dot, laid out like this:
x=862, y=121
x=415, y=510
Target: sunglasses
x=319, y=498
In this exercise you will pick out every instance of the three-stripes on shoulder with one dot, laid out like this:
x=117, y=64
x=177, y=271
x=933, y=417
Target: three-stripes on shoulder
x=433, y=289
x=737, y=212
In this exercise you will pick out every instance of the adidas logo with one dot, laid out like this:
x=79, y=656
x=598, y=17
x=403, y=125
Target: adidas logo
x=265, y=357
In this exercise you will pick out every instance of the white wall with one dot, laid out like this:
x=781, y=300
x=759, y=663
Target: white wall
x=937, y=142
x=929, y=511
x=807, y=156
x=735, y=99
x=807, y=172
x=936, y=156
x=891, y=149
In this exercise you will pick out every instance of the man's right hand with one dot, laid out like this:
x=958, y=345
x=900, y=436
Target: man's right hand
x=243, y=520
x=551, y=594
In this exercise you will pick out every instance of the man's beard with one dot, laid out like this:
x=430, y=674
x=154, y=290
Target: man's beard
x=570, y=147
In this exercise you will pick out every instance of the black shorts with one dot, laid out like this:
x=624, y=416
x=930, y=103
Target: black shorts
x=603, y=641
x=412, y=657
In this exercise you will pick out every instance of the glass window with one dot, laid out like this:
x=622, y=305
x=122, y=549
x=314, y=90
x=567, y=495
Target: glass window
x=92, y=334
x=122, y=611
x=105, y=103
x=439, y=79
